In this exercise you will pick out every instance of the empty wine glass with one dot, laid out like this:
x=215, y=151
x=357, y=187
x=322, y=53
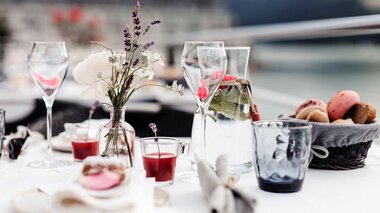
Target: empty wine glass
x=203, y=66
x=48, y=63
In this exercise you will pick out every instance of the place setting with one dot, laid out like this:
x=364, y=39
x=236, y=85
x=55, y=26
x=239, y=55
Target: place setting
x=235, y=160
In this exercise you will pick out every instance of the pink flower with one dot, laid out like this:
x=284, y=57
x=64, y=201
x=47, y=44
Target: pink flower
x=217, y=75
x=229, y=78
x=202, y=91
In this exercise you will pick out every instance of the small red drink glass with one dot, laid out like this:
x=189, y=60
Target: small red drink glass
x=84, y=140
x=159, y=157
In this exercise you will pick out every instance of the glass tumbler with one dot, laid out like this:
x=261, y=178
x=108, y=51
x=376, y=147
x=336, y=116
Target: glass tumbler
x=282, y=150
x=84, y=139
x=159, y=157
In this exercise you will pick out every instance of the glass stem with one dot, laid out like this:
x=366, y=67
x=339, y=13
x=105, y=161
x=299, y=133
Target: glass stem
x=49, y=131
x=203, y=132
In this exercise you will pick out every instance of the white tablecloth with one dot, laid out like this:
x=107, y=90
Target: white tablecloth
x=323, y=191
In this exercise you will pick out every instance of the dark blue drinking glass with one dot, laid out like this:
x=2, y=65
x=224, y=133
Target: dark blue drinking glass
x=282, y=150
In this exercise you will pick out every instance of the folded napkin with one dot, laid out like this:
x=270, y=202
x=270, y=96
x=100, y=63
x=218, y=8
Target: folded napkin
x=136, y=197
x=220, y=191
x=17, y=143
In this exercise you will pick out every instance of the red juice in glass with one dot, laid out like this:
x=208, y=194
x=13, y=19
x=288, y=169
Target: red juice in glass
x=83, y=148
x=161, y=166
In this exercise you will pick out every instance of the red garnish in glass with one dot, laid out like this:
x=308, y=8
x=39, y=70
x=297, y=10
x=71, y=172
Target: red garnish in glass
x=54, y=82
x=202, y=92
x=217, y=75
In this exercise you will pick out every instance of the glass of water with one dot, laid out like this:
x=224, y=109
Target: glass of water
x=282, y=150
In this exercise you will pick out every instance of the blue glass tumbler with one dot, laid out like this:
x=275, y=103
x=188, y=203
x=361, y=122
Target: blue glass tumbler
x=281, y=150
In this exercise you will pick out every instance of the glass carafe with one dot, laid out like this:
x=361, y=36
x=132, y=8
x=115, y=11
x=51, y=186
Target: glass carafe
x=228, y=122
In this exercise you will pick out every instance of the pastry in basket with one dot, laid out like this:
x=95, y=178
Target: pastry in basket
x=343, y=108
x=343, y=121
x=100, y=173
x=346, y=140
x=311, y=102
x=318, y=116
x=362, y=113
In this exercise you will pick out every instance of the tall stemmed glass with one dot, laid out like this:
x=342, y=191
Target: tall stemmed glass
x=48, y=63
x=203, y=66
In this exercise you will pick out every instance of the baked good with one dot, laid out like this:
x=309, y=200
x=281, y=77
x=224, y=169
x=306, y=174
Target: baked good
x=318, y=116
x=362, y=113
x=100, y=173
x=310, y=102
x=343, y=121
x=359, y=113
x=341, y=103
x=307, y=110
x=372, y=113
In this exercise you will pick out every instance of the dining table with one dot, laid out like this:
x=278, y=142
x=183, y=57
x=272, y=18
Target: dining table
x=323, y=191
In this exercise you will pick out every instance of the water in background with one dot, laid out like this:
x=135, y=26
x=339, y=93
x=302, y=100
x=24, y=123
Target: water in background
x=288, y=76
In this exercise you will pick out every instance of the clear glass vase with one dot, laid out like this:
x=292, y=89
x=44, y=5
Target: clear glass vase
x=117, y=137
x=229, y=129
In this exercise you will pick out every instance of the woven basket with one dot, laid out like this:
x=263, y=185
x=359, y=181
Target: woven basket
x=342, y=158
x=347, y=145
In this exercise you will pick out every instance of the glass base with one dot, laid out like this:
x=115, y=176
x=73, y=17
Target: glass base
x=280, y=187
x=163, y=183
x=232, y=169
x=50, y=164
x=189, y=177
x=241, y=168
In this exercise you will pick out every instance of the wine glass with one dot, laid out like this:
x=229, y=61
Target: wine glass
x=48, y=63
x=203, y=66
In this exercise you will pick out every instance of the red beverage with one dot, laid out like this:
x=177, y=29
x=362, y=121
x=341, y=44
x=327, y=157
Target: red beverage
x=83, y=148
x=162, y=166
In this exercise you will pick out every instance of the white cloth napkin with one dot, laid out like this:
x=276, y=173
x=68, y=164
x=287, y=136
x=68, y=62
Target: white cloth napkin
x=137, y=197
x=220, y=190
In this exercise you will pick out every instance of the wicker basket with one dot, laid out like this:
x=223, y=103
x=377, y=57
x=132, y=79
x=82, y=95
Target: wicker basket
x=342, y=158
x=347, y=145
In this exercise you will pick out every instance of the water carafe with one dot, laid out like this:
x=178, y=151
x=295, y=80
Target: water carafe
x=228, y=124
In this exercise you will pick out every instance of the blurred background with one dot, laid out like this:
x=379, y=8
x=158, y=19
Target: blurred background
x=285, y=68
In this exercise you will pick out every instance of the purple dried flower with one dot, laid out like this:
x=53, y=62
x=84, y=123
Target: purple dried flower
x=136, y=62
x=146, y=30
x=136, y=21
x=127, y=43
x=126, y=32
x=137, y=27
x=154, y=128
x=155, y=22
x=147, y=45
x=136, y=46
x=134, y=14
x=95, y=105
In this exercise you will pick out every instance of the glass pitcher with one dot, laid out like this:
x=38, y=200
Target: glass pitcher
x=228, y=123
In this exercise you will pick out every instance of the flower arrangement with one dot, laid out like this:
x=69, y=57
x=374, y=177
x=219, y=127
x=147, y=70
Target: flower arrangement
x=73, y=25
x=233, y=98
x=113, y=77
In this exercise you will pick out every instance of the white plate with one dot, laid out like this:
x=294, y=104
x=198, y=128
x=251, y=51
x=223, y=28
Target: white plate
x=31, y=200
x=112, y=192
x=60, y=143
